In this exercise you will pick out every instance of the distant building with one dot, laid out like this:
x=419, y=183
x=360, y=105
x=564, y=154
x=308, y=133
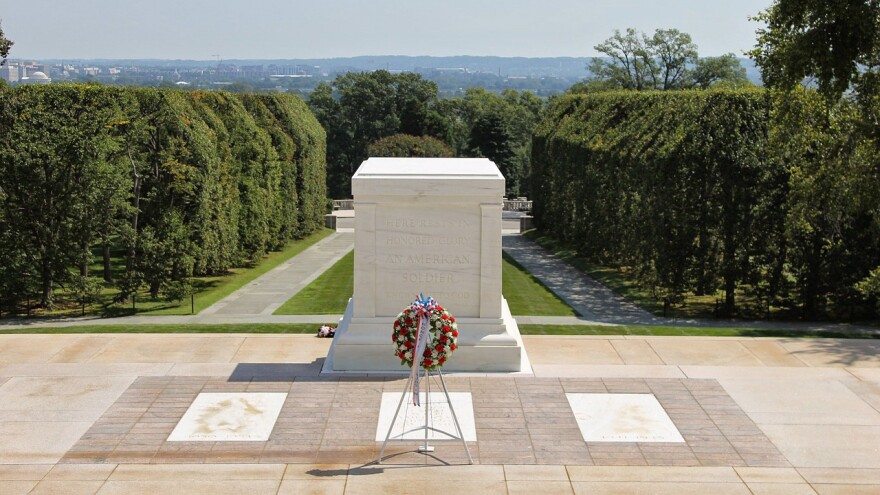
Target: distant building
x=37, y=77
x=9, y=73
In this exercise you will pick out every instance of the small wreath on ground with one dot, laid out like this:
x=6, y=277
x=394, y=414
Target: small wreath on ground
x=441, y=343
x=326, y=331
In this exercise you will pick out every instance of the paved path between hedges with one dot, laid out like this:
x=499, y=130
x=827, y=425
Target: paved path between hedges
x=597, y=303
x=600, y=305
x=253, y=303
x=268, y=292
x=589, y=298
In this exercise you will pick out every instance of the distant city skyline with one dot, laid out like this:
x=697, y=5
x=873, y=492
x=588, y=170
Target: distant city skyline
x=279, y=29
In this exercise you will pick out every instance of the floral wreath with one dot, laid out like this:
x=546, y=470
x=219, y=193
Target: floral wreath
x=326, y=330
x=441, y=341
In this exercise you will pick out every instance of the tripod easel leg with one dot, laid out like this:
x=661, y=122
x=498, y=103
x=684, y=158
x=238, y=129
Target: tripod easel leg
x=425, y=448
x=455, y=418
x=393, y=420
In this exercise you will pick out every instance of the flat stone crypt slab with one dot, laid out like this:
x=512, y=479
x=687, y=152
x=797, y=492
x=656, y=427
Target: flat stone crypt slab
x=432, y=226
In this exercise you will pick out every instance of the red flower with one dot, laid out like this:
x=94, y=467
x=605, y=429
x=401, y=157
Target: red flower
x=401, y=355
x=427, y=352
x=408, y=344
x=455, y=333
x=396, y=324
x=443, y=316
x=446, y=328
x=427, y=362
x=404, y=331
x=443, y=338
x=439, y=348
x=409, y=322
x=453, y=347
x=442, y=359
x=452, y=319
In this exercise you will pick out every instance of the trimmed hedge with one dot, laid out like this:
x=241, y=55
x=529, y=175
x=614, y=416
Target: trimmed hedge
x=692, y=191
x=186, y=183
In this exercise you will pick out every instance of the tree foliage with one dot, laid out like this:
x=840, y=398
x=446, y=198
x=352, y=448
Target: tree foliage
x=360, y=109
x=724, y=70
x=834, y=42
x=363, y=107
x=406, y=146
x=5, y=46
x=832, y=144
x=667, y=60
x=184, y=183
x=640, y=62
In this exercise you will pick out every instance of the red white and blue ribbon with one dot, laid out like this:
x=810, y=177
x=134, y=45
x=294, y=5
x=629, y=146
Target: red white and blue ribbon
x=423, y=307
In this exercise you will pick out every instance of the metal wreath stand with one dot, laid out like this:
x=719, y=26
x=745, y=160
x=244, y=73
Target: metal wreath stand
x=427, y=426
x=423, y=306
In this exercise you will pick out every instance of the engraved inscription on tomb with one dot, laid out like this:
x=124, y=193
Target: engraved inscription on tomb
x=421, y=250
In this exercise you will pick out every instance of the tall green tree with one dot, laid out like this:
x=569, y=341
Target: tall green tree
x=833, y=41
x=667, y=60
x=723, y=70
x=406, y=146
x=490, y=137
x=5, y=46
x=361, y=108
x=832, y=147
x=53, y=164
x=183, y=183
x=340, y=149
x=500, y=127
x=639, y=62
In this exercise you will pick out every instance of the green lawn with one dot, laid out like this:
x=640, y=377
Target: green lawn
x=329, y=293
x=195, y=328
x=617, y=279
x=685, y=331
x=526, y=295
x=208, y=290
x=309, y=328
x=326, y=295
x=221, y=287
x=623, y=281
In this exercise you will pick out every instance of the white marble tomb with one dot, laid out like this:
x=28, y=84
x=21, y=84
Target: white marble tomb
x=429, y=225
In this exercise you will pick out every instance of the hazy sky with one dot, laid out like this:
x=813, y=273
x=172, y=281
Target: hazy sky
x=264, y=29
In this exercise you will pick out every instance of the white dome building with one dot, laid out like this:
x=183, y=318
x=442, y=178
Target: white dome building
x=36, y=78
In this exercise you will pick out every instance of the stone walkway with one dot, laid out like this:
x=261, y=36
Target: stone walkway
x=254, y=303
x=91, y=414
x=598, y=304
x=268, y=292
x=590, y=299
x=518, y=421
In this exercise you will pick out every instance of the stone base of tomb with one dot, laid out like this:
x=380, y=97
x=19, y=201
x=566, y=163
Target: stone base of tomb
x=363, y=345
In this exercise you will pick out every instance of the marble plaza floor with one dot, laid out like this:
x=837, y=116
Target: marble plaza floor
x=95, y=414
